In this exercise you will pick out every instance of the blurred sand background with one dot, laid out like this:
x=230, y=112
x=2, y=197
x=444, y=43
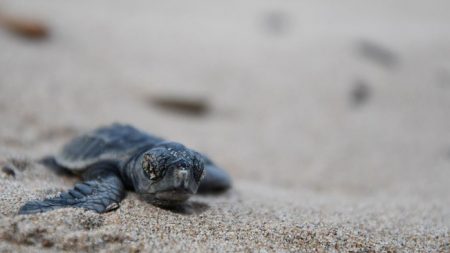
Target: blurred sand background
x=333, y=118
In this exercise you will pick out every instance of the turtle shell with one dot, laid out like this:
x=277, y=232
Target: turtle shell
x=112, y=143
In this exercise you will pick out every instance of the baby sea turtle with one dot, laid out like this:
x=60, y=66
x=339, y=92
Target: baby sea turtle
x=119, y=157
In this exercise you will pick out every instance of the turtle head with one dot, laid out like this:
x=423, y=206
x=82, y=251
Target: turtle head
x=168, y=174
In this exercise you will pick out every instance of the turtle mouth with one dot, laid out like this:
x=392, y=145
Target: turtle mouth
x=172, y=197
x=176, y=195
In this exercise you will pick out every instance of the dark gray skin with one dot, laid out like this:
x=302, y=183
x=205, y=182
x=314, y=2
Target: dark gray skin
x=117, y=158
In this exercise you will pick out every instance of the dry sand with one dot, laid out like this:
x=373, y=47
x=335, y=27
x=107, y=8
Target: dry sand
x=332, y=118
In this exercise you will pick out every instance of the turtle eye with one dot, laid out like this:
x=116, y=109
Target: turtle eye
x=150, y=167
x=198, y=168
x=199, y=173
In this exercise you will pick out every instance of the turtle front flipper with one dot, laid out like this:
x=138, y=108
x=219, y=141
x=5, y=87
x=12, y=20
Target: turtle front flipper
x=100, y=194
x=216, y=179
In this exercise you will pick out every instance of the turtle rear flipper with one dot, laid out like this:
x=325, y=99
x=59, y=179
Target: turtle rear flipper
x=50, y=163
x=101, y=194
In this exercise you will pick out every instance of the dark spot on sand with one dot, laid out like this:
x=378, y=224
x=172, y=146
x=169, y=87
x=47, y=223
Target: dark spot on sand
x=360, y=93
x=276, y=22
x=377, y=53
x=46, y=243
x=193, y=106
x=9, y=170
x=20, y=164
x=24, y=27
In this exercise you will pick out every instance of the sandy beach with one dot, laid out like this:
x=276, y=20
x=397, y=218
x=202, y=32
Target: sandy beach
x=331, y=117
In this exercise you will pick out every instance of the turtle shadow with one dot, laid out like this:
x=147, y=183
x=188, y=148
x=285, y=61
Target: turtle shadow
x=189, y=208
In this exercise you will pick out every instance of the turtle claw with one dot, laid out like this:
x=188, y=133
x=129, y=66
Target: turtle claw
x=111, y=207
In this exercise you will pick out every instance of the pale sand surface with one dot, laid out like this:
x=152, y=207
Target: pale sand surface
x=311, y=172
